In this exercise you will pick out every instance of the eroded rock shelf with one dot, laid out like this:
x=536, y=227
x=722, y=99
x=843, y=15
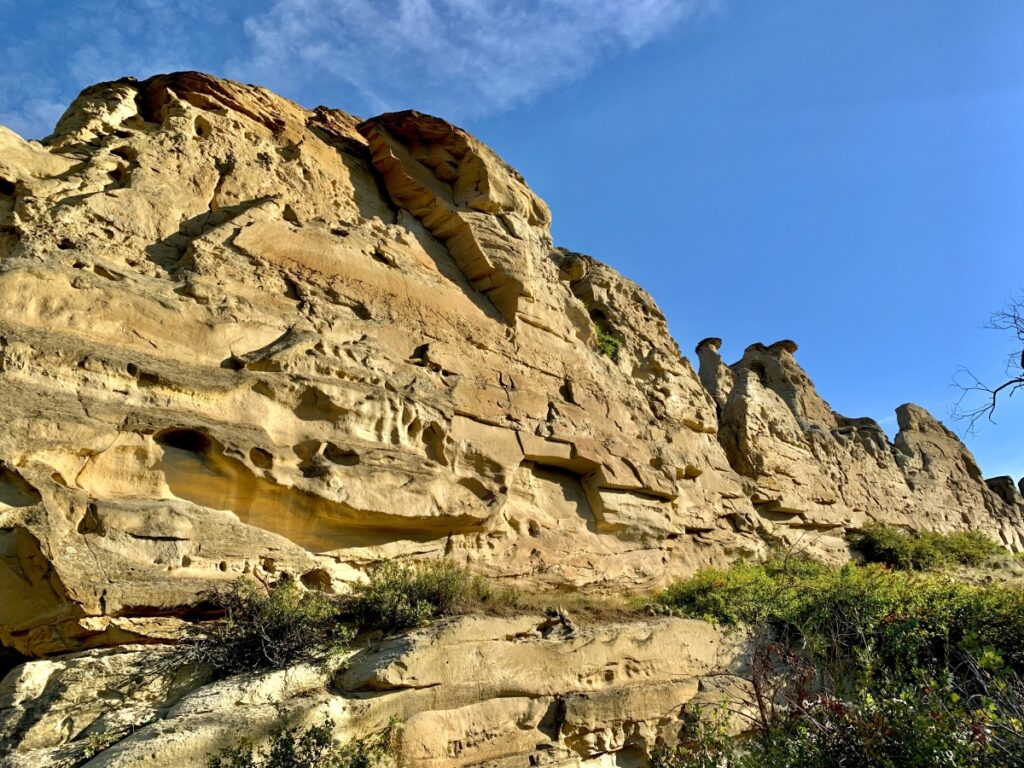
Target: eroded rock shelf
x=238, y=336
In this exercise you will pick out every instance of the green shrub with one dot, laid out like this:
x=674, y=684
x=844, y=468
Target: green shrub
x=272, y=627
x=864, y=666
x=867, y=616
x=972, y=548
x=269, y=628
x=401, y=595
x=607, y=342
x=922, y=725
x=745, y=593
x=313, y=747
x=923, y=550
x=99, y=742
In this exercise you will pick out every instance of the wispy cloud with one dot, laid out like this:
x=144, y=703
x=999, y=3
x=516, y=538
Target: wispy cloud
x=52, y=49
x=458, y=58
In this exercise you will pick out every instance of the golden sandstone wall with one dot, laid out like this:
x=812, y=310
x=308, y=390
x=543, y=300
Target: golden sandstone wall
x=239, y=336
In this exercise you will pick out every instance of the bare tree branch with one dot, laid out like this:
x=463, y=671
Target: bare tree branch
x=978, y=399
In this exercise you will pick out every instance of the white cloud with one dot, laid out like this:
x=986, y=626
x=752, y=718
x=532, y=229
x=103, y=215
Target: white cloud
x=52, y=51
x=459, y=58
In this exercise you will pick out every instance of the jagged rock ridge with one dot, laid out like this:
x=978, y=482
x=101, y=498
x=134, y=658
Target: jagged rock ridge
x=240, y=336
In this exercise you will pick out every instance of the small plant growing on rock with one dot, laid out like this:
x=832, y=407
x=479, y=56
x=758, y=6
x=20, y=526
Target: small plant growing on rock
x=923, y=550
x=98, y=742
x=269, y=628
x=402, y=595
x=607, y=343
x=313, y=747
x=705, y=742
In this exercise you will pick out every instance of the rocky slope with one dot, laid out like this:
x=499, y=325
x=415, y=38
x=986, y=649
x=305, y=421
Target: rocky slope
x=238, y=336
x=477, y=691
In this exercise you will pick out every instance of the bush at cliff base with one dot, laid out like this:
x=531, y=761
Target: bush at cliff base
x=861, y=666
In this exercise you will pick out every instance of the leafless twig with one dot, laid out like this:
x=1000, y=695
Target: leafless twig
x=978, y=399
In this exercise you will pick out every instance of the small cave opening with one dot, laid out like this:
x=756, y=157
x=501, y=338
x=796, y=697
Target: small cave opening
x=126, y=152
x=341, y=456
x=15, y=491
x=317, y=579
x=189, y=440
x=203, y=127
x=759, y=370
x=261, y=458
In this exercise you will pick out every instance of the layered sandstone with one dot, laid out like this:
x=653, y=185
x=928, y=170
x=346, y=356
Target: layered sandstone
x=240, y=336
x=817, y=470
x=476, y=691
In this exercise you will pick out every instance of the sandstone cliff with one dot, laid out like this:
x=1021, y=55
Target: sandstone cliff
x=239, y=336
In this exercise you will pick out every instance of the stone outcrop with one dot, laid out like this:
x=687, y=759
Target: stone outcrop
x=818, y=471
x=238, y=336
x=471, y=692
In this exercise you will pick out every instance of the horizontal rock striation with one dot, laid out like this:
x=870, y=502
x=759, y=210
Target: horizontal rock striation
x=242, y=337
x=816, y=470
x=476, y=691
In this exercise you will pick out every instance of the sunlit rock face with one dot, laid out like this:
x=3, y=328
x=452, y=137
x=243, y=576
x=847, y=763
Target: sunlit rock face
x=818, y=471
x=240, y=336
x=472, y=692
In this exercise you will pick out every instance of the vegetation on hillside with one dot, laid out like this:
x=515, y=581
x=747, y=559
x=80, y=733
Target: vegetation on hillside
x=886, y=664
x=923, y=550
x=864, y=666
x=272, y=626
x=268, y=628
x=606, y=341
x=400, y=595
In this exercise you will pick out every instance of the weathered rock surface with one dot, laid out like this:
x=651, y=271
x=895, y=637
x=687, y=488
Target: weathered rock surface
x=818, y=471
x=240, y=336
x=471, y=692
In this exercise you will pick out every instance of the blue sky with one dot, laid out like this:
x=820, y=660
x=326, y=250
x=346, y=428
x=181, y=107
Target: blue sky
x=846, y=174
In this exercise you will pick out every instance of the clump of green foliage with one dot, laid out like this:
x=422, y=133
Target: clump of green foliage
x=99, y=742
x=868, y=615
x=313, y=747
x=923, y=550
x=269, y=628
x=930, y=723
x=863, y=666
x=606, y=341
x=401, y=595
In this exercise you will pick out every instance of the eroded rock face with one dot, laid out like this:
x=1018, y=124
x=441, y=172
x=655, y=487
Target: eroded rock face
x=470, y=692
x=240, y=336
x=820, y=473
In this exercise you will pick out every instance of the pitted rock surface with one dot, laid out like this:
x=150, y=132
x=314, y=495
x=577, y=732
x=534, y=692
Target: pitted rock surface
x=240, y=336
x=469, y=693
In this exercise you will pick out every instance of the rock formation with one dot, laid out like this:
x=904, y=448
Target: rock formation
x=817, y=470
x=238, y=336
x=472, y=692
